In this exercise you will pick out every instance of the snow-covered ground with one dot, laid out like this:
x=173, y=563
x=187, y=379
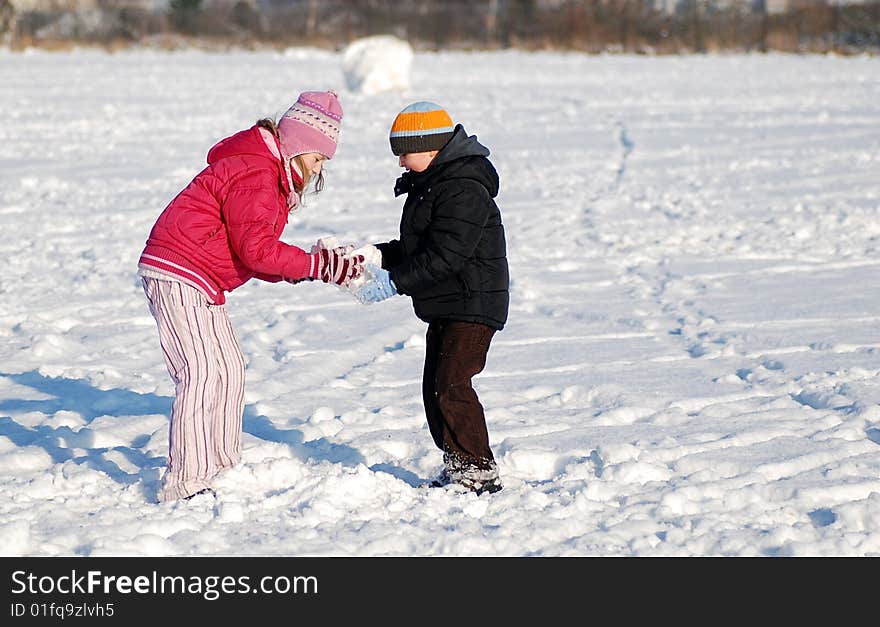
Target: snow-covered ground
x=690, y=366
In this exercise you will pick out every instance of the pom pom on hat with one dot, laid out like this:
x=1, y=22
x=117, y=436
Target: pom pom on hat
x=421, y=127
x=311, y=124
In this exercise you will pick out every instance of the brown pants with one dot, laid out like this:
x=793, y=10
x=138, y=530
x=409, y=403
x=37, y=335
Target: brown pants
x=456, y=351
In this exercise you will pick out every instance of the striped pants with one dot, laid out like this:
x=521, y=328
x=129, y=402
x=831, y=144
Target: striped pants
x=206, y=364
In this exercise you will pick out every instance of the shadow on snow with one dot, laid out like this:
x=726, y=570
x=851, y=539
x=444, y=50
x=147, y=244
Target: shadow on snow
x=76, y=395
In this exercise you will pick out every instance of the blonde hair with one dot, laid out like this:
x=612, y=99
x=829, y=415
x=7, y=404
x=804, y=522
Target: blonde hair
x=272, y=126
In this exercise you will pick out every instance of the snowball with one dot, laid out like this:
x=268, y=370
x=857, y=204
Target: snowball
x=372, y=257
x=370, y=253
x=376, y=64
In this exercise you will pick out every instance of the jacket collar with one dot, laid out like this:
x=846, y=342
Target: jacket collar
x=459, y=148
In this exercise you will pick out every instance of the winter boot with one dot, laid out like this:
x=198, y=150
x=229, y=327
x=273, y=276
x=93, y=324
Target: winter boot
x=475, y=475
x=441, y=480
x=207, y=491
x=479, y=480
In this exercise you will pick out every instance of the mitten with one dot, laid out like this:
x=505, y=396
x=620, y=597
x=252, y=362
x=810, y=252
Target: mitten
x=331, y=266
x=377, y=290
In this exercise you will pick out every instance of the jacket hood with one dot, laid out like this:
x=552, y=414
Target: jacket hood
x=462, y=157
x=254, y=146
x=247, y=142
x=460, y=145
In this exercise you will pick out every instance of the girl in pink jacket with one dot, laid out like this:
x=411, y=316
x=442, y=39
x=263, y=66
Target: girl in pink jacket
x=222, y=230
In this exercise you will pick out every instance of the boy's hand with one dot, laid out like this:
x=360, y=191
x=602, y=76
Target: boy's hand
x=332, y=266
x=377, y=290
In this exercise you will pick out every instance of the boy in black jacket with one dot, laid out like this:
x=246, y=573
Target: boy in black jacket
x=451, y=258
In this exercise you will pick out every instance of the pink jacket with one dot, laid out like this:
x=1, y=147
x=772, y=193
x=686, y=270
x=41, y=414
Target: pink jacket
x=224, y=228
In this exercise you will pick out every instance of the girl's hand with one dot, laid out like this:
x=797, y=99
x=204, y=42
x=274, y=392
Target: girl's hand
x=332, y=266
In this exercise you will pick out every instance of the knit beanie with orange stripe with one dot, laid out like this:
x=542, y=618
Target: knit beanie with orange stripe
x=420, y=127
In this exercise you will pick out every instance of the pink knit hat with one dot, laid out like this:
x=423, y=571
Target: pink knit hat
x=311, y=124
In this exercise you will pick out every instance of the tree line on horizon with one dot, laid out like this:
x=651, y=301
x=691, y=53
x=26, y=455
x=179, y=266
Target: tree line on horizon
x=634, y=26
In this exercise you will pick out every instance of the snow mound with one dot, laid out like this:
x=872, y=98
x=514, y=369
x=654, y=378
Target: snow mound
x=376, y=64
x=16, y=538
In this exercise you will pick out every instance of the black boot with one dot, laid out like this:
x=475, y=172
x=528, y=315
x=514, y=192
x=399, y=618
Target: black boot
x=202, y=491
x=478, y=476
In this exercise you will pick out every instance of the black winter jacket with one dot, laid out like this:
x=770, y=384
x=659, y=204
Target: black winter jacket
x=451, y=257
